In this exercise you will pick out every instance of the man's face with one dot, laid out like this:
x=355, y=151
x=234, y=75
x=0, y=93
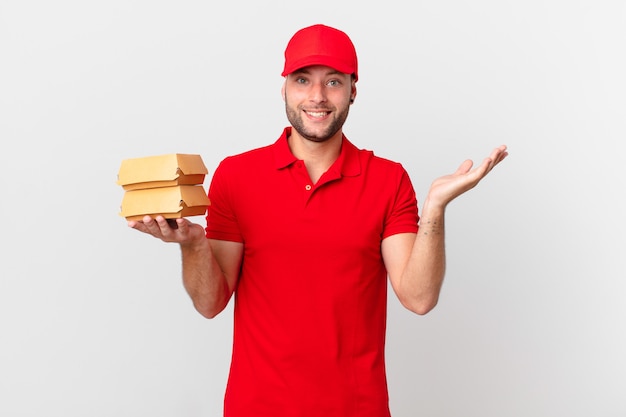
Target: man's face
x=317, y=101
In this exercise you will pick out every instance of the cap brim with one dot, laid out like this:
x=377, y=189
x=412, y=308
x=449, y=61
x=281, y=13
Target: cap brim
x=327, y=61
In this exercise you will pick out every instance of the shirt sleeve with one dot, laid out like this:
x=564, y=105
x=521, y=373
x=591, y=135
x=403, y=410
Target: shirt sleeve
x=403, y=216
x=221, y=219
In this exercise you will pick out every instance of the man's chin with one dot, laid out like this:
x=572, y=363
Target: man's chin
x=318, y=139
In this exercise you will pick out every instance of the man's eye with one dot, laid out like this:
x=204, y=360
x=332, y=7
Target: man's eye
x=300, y=80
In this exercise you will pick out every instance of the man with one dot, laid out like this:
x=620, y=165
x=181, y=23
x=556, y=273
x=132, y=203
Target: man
x=305, y=233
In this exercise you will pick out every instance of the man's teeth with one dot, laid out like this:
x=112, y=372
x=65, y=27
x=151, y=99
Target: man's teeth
x=317, y=113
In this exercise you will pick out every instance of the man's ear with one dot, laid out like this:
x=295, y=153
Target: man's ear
x=282, y=91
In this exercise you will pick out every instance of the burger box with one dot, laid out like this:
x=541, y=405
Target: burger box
x=170, y=202
x=169, y=185
x=161, y=171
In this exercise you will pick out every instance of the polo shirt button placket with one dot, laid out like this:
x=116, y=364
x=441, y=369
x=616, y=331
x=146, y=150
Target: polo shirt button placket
x=308, y=187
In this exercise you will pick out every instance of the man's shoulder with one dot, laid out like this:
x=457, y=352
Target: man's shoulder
x=249, y=156
x=252, y=152
x=371, y=157
x=379, y=162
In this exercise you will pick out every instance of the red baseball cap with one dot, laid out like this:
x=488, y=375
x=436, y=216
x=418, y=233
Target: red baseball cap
x=320, y=45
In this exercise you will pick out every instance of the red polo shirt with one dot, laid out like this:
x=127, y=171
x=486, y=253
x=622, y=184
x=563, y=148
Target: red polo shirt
x=311, y=301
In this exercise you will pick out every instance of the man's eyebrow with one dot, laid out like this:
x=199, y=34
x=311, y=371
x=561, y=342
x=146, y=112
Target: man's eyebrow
x=304, y=70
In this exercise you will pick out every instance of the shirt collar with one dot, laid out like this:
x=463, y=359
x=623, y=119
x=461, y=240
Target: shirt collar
x=347, y=164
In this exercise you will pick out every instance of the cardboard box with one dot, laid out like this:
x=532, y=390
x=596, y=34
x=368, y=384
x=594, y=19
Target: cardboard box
x=161, y=171
x=170, y=202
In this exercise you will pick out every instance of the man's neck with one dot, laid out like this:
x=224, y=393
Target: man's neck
x=317, y=156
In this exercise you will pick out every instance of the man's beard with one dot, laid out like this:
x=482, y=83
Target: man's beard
x=295, y=118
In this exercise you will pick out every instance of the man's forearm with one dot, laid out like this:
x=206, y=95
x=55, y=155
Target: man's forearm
x=203, y=279
x=423, y=275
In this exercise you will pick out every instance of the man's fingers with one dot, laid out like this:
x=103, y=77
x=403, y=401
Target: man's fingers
x=499, y=154
x=465, y=167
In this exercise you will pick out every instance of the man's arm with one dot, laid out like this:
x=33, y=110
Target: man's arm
x=210, y=268
x=416, y=263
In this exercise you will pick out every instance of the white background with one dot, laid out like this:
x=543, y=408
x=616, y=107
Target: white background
x=93, y=317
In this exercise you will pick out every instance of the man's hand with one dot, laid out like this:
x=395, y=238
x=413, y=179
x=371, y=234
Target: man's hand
x=183, y=232
x=445, y=189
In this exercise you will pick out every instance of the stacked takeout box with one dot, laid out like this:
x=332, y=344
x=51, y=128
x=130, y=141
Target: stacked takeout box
x=167, y=185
